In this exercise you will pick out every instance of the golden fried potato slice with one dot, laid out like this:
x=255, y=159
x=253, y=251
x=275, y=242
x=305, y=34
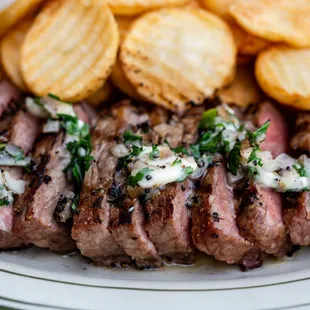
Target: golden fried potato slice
x=134, y=7
x=101, y=95
x=10, y=47
x=194, y=4
x=284, y=74
x=120, y=80
x=70, y=49
x=220, y=8
x=247, y=44
x=275, y=20
x=244, y=89
x=19, y=9
x=174, y=57
x=124, y=23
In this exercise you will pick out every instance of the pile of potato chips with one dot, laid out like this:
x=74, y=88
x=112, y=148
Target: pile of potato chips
x=174, y=53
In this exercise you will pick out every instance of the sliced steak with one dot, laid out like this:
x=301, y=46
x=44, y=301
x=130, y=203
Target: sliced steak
x=24, y=130
x=8, y=93
x=277, y=135
x=214, y=230
x=91, y=223
x=127, y=225
x=168, y=222
x=34, y=211
x=260, y=220
x=297, y=217
x=301, y=139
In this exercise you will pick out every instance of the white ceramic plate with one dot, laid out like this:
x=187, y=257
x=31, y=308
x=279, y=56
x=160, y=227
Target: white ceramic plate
x=32, y=278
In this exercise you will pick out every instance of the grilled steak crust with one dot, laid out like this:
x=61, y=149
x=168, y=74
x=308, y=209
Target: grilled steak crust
x=277, y=135
x=91, y=223
x=214, y=230
x=24, y=130
x=34, y=210
x=297, y=217
x=8, y=93
x=260, y=220
x=168, y=222
x=301, y=139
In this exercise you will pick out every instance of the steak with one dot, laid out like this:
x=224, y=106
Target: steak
x=277, y=135
x=260, y=220
x=301, y=139
x=297, y=217
x=91, y=223
x=215, y=230
x=168, y=222
x=23, y=132
x=8, y=93
x=34, y=219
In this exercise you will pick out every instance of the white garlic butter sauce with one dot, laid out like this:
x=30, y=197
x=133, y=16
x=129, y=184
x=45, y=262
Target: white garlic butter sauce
x=164, y=170
x=278, y=173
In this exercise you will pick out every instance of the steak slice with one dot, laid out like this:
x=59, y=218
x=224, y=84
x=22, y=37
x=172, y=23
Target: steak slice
x=24, y=130
x=301, y=139
x=260, y=220
x=8, y=93
x=297, y=217
x=277, y=135
x=34, y=211
x=91, y=223
x=168, y=222
x=215, y=230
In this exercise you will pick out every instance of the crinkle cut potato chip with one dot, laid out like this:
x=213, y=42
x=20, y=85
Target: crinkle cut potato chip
x=124, y=23
x=284, y=74
x=194, y=4
x=10, y=52
x=19, y=9
x=220, y=7
x=134, y=7
x=275, y=20
x=247, y=44
x=101, y=95
x=244, y=89
x=176, y=57
x=70, y=49
x=120, y=80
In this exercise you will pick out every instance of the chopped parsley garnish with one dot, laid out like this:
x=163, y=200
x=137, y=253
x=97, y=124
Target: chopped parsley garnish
x=19, y=156
x=4, y=202
x=155, y=152
x=129, y=136
x=54, y=97
x=181, y=150
x=133, y=180
x=208, y=118
x=211, y=142
x=300, y=170
x=259, y=132
x=234, y=158
x=37, y=101
x=186, y=172
x=195, y=151
x=253, y=157
x=177, y=161
x=124, y=161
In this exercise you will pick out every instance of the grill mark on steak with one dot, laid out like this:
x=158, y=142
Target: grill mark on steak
x=297, y=217
x=300, y=142
x=260, y=220
x=34, y=210
x=127, y=220
x=91, y=224
x=24, y=130
x=220, y=236
x=168, y=217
